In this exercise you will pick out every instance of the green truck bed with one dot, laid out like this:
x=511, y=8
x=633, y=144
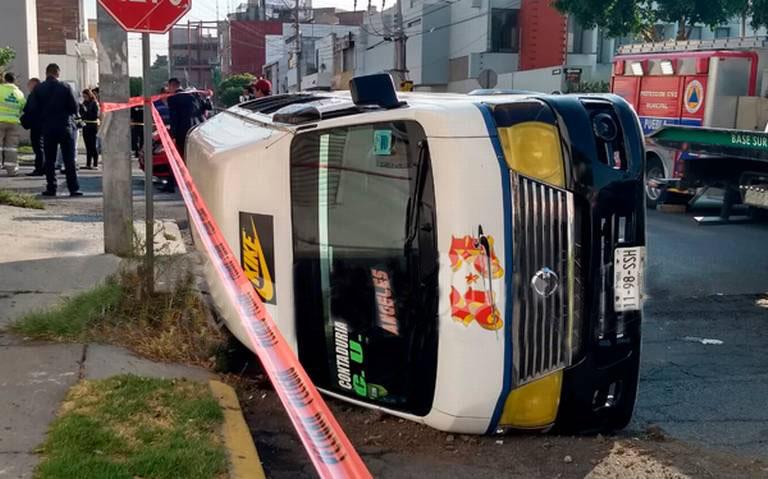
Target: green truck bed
x=748, y=145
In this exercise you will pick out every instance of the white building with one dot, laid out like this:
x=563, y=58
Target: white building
x=18, y=30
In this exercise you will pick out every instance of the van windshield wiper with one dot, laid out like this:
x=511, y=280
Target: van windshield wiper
x=414, y=202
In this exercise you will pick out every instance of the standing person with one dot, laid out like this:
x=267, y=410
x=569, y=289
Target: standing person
x=55, y=104
x=185, y=112
x=31, y=123
x=161, y=105
x=263, y=88
x=137, y=125
x=89, y=114
x=12, y=103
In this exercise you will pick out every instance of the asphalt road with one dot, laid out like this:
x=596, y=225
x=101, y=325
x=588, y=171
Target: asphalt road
x=703, y=390
x=706, y=283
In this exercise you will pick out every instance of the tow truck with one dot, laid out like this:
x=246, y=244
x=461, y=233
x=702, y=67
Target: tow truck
x=734, y=160
x=717, y=85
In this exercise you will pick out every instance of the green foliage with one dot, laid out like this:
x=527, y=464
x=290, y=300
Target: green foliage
x=591, y=87
x=229, y=90
x=159, y=73
x=74, y=317
x=7, y=55
x=135, y=86
x=758, y=10
x=637, y=17
x=128, y=427
x=230, y=96
x=20, y=200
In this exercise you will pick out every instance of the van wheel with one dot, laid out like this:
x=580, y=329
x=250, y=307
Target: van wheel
x=654, y=169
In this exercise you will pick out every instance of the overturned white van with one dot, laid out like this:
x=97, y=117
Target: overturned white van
x=471, y=262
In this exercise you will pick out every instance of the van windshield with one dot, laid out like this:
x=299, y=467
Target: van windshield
x=365, y=262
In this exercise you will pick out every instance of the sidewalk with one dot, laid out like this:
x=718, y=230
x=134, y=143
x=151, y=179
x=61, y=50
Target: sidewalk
x=47, y=255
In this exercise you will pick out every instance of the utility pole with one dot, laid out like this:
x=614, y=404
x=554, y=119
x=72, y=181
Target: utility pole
x=296, y=27
x=401, y=68
x=115, y=135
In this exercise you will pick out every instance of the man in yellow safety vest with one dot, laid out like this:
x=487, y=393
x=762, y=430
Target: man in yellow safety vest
x=11, y=105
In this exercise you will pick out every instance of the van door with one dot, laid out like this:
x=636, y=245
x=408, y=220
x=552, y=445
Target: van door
x=365, y=262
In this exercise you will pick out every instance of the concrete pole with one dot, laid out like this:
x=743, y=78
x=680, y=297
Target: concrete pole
x=112, y=42
x=401, y=66
x=297, y=28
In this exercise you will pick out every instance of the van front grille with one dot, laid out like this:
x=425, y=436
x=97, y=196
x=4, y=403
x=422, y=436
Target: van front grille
x=545, y=270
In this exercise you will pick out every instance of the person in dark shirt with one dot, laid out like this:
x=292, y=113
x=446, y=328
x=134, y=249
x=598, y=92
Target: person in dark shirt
x=54, y=104
x=185, y=111
x=89, y=114
x=35, y=135
x=137, y=125
x=161, y=105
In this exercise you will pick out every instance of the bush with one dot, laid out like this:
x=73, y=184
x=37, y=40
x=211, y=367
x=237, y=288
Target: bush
x=230, y=96
x=229, y=90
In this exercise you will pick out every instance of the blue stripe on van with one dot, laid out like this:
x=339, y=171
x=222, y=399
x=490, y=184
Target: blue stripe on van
x=507, y=204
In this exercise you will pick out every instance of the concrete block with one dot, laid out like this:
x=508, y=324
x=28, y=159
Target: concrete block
x=33, y=382
x=104, y=361
x=17, y=465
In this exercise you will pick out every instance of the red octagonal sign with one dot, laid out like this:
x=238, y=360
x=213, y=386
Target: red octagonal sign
x=146, y=16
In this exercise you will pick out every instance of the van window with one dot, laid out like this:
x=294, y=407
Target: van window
x=365, y=262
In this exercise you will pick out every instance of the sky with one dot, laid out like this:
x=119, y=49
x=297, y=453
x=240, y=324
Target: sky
x=201, y=10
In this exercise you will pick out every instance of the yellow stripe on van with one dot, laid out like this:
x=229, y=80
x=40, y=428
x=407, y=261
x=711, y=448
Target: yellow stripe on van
x=533, y=405
x=533, y=149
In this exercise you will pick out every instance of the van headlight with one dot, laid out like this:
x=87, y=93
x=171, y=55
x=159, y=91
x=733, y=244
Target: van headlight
x=533, y=149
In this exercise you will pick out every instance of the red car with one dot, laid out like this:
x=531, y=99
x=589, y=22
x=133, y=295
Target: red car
x=160, y=166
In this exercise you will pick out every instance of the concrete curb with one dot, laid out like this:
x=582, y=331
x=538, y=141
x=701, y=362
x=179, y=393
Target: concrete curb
x=244, y=460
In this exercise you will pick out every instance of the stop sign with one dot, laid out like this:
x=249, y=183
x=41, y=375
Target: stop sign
x=146, y=16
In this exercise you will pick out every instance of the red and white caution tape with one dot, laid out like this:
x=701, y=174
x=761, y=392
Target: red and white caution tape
x=329, y=448
x=107, y=107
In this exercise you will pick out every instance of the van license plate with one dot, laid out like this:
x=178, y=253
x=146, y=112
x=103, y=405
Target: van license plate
x=628, y=267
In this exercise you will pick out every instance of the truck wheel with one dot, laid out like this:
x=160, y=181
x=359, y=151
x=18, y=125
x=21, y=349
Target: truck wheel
x=654, y=169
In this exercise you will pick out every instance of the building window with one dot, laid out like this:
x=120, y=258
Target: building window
x=349, y=59
x=575, y=36
x=505, y=35
x=695, y=33
x=722, y=32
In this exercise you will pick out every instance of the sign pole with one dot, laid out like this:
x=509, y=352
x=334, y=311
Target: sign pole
x=149, y=257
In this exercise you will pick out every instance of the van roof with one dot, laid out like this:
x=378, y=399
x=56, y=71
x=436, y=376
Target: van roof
x=294, y=109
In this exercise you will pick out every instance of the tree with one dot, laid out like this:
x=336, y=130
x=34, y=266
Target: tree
x=757, y=10
x=7, y=55
x=639, y=17
x=228, y=92
x=135, y=86
x=159, y=73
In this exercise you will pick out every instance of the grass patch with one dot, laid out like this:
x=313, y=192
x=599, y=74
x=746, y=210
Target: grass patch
x=134, y=427
x=74, y=317
x=20, y=200
x=168, y=326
